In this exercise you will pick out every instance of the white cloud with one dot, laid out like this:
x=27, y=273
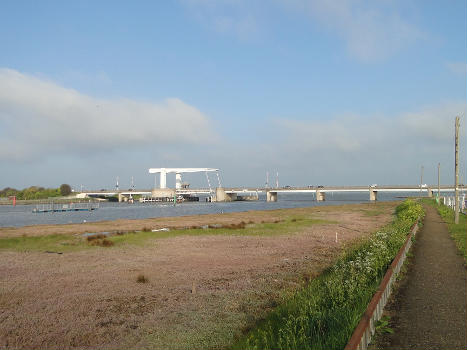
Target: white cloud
x=368, y=149
x=369, y=32
x=39, y=117
x=434, y=123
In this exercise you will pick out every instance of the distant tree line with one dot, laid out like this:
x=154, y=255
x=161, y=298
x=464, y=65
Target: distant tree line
x=36, y=192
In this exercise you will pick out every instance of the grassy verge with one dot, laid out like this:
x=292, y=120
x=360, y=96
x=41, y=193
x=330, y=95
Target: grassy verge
x=324, y=314
x=458, y=231
x=67, y=243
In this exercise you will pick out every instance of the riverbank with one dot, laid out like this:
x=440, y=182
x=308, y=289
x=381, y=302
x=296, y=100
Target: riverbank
x=180, y=222
x=184, y=289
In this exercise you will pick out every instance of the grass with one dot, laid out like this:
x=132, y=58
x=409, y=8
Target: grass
x=287, y=226
x=323, y=314
x=458, y=231
x=68, y=243
x=51, y=243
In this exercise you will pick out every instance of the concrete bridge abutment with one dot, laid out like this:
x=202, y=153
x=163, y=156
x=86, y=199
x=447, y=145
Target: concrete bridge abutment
x=320, y=196
x=271, y=196
x=430, y=192
x=222, y=196
x=373, y=195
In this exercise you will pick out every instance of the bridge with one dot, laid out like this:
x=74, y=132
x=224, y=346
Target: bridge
x=320, y=191
x=221, y=194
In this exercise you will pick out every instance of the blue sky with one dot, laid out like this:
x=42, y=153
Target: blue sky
x=341, y=92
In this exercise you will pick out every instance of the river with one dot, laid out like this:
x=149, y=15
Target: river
x=22, y=215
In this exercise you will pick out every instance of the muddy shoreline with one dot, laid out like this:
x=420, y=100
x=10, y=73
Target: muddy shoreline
x=176, y=222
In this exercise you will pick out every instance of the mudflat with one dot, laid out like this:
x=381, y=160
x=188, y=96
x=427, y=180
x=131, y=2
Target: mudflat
x=182, y=291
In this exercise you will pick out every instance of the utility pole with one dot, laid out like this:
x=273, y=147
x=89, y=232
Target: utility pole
x=439, y=198
x=421, y=181
x=456, y=165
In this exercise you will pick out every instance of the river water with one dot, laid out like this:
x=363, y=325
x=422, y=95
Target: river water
x=22, y=215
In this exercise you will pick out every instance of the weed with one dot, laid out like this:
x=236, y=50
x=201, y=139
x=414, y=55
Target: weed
x=142, y=278
x=458, y=231
x=107, y=243
x=101, y=242
x=95, y=237
x=240, y=225
x=382, y=325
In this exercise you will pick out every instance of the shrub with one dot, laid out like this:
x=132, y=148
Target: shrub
x=99, y=240
x=106, y=243
x=94, y=237
x=65, y=189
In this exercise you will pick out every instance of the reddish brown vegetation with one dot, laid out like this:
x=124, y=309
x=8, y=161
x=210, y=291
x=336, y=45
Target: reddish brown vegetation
x=199, y=289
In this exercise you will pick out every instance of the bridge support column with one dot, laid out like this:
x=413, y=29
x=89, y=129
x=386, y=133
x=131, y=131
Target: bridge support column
x=120, y=197
x=430, y=192
x=222, y=196
x=320, y=196
x=373, y=195
x=271, y=196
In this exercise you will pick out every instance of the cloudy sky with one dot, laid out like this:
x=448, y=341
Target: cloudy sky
x=324, y=92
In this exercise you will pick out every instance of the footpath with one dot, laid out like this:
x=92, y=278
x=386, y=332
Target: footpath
x=429, y=309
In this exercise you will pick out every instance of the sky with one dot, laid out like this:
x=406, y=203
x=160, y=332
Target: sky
x=322, y=92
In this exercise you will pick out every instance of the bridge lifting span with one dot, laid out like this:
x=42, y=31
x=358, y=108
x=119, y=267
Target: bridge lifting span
x=178, y=175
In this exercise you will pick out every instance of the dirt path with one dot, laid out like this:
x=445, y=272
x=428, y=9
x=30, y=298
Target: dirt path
x=429, y=310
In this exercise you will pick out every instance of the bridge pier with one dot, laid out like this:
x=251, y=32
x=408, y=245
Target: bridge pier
x=373, y=195
x=271, y=196
x=430, y=192
x=222, y=196
x=320, y=196
x=120, y=197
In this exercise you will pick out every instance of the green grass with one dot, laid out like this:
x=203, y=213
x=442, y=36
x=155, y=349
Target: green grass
x=68, y=243
x=53, y=243
x=288, y=226
x=458, y=231
x=323, y=314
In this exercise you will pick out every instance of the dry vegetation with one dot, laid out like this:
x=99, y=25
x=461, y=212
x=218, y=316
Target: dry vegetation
x=182, y=291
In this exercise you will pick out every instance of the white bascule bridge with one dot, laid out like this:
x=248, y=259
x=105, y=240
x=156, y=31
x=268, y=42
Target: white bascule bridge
x=178, y=175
